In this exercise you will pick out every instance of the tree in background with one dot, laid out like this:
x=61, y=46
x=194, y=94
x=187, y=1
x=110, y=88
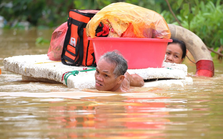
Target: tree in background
x=204, y=18
x=49, y=13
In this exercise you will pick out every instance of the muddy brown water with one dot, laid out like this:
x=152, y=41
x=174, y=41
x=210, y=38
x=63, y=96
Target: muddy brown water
x=51, y=110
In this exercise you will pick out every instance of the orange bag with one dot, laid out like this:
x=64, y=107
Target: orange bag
x=128, y=20
x=56, y=43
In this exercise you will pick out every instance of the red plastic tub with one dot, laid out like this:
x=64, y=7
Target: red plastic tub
x=139, y=52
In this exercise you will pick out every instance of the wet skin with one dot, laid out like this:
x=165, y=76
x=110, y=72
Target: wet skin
x=174, y=54
x=105, y=79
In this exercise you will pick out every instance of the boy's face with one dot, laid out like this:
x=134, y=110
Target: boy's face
x=105, y=79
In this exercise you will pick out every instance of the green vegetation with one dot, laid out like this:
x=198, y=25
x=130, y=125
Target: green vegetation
x=203, y=17
x=49, y=13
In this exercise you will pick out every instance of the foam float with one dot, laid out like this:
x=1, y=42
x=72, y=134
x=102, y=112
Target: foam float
x=40, y=68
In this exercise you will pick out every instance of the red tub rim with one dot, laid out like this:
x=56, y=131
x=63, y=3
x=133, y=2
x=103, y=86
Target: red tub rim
x=131, y=39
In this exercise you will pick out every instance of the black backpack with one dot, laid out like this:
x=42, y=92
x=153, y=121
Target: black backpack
x=77, y=49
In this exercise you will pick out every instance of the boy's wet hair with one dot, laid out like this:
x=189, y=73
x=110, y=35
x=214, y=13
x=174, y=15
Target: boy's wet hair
x=116, y=58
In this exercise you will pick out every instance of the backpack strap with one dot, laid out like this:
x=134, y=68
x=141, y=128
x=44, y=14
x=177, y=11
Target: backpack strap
x=80, y=42
x=93, y=63
x=66, y=42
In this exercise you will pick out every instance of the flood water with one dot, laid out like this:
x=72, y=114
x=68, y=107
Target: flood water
x=51, y=110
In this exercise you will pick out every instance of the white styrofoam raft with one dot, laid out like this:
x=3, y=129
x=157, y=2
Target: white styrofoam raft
x=40, y=67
